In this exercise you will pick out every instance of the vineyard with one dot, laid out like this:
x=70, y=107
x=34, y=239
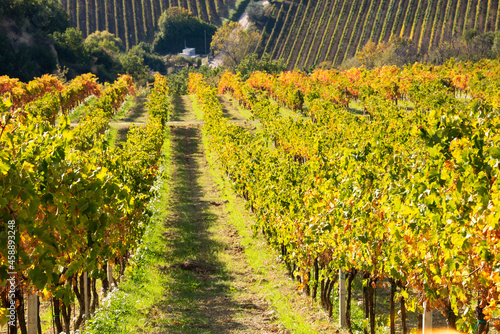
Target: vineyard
x=391, y=175
x=134, y=21
x=380, y=184
x=75, y=205
x=307, y=33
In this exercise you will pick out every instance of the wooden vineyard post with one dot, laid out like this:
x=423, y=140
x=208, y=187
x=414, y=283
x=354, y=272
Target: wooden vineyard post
x=342, y=293
x=110, y=275
x=32, y=314
x=427, y=321
x=86, y=296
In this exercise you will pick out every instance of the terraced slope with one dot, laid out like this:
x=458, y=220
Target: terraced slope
x=135, y=20
x=307, y=32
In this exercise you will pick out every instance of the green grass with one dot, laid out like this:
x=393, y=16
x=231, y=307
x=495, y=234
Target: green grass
x=117, y=134
x=77, y=112
x=129, y=102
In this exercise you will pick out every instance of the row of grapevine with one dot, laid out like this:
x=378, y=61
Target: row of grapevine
x=434, y=29
x=366, y=27
x=135, y=20
x=347, y=29
x=378, y=18
x=427, y=17
x=318, y=33
x=359, y=26
x=405, y=199
x=271, y=38
x=497, y=24
x=477, y=17
x=387, y=25
x=333, y=14
x=298, y=34
x=338, y=25
x=285, y=50
x=349, y=25
x=267, y=30
x=79, y=207
x=416, y=19
x=278, y=46
x=307, y=38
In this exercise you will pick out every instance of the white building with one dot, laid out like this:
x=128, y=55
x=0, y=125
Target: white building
x=188, y=53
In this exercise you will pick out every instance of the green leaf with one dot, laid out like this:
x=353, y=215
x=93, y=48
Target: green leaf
x=494, y=152
x=4, y=167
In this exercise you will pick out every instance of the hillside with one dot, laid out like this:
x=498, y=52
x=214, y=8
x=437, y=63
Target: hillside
x=135, y=20
x=305, y=33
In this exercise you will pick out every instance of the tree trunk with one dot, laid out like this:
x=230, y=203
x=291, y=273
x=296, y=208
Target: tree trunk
x=66, y=314
x=322, y=292
x=451, y=317
x=482, y=325
x=403, y=315
x=366, y=301
x=79, y=292
x=350, y=278
x=326, y=294
x=105, y=282
x=57, y=314
x=371, y=298
x=95, y=298
x=306, y=280
x=316, y=278
x=328, y=298
x=21, y=318
x=392, y=307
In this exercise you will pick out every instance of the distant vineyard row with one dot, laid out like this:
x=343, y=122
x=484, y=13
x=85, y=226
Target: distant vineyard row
x=135, y=20
x=305, y=33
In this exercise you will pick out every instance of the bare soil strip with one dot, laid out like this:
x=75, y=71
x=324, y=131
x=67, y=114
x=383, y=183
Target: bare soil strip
x=209, y=279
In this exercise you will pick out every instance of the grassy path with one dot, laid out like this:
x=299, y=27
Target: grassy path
x=221, y=278
x=207, y=274
x=201, y=269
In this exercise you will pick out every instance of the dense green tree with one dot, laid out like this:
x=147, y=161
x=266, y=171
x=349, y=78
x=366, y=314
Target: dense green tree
x=45, y=15
x=177, y=28
x=133, y=64
x=478, y=45
x=252, y=63
x=255, y=11
x=104, y=50
x=71, y=49
x=231, y=43
x=151, y=59
x=104, y=40
x=33, y=54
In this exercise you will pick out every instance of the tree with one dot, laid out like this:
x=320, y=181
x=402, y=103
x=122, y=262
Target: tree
x=495, y=49
x=255, y=11
x=402, y=51
x=232, y=43
x=178, y=26
x=370, y=53
x=399, y=51
x=104, y=40
x=478, y=45
x=452, y=48
x=133, y=64
x=252, y=63
x=153, y=60
x=70, y=47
